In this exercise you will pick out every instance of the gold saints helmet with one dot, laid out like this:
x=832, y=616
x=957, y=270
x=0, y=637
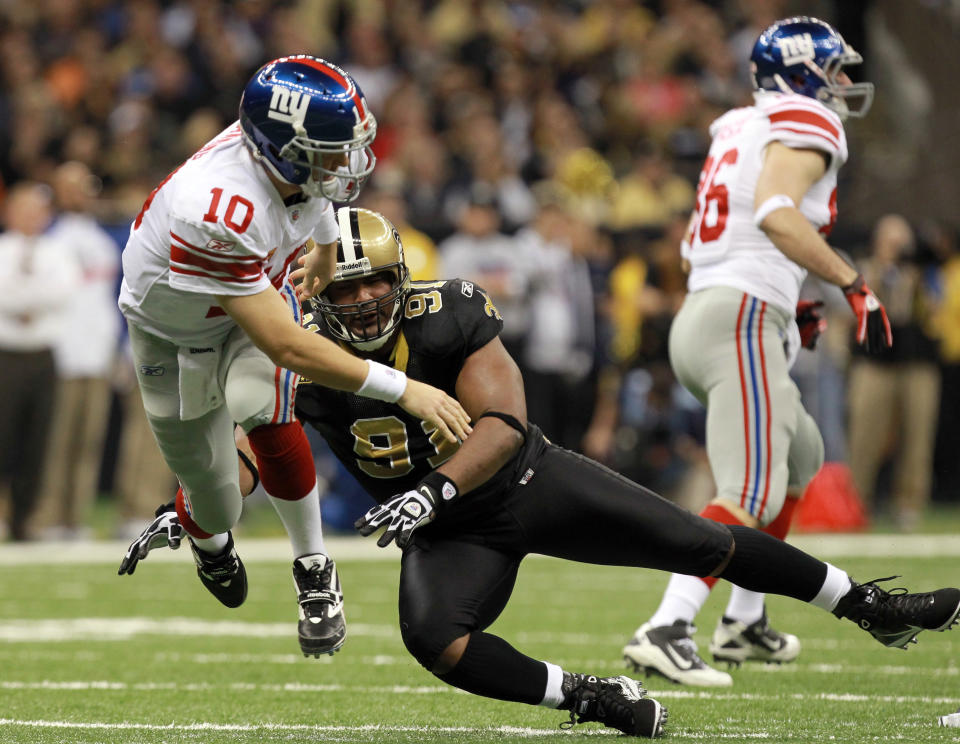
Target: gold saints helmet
x=369, y=245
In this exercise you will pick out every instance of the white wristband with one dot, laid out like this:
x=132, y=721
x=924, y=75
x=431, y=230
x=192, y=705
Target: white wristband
x=775, y=202
x=383, y=383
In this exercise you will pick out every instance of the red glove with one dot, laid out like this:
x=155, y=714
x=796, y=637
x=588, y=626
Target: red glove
x=810, y=322
x=873, y=327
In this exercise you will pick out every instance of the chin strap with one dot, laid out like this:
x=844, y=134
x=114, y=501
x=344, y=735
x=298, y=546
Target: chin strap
x=507, y=419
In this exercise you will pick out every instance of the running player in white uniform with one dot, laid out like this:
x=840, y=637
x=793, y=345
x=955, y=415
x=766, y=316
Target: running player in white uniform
x=213, y=312
x=765, y=202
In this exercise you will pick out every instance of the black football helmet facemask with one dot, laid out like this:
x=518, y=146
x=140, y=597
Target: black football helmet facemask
x=369, y=245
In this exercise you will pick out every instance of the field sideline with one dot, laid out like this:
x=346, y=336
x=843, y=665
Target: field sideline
x=90, y=657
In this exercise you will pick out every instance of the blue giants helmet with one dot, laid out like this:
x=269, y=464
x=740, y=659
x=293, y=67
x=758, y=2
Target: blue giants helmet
x=297, y=112
x=805, y=55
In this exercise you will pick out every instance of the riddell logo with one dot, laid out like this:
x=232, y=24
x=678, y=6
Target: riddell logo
x=224, y=246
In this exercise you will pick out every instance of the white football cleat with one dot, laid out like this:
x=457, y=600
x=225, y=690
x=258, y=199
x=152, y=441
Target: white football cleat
x=669, y=650
x=736, y=642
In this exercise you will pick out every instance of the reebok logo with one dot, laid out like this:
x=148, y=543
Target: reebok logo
x=223, y=246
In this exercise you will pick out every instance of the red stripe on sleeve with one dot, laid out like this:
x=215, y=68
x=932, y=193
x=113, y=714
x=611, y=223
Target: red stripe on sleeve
x=237, y=270
x=804, y=116
x=834, y=145
x=214, y=254
x=183, y=262
x=204, y=275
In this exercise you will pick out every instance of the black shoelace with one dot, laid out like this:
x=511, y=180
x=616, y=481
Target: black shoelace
x=221, y=566
x=901, y=608
x=316, y=585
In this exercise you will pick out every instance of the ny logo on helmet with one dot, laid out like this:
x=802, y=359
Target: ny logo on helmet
x=796, y=48
x=288, y=105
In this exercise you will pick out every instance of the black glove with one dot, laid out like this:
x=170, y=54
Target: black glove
x=164, y=530
x=407, y=511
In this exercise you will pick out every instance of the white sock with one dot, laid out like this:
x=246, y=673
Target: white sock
x=553, y=695
x=301, y=518
x=213, y=545
x=744, y=605
x=682, y=600
x=835, y=586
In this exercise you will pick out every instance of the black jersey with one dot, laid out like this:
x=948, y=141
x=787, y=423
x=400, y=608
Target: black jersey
x=383, y=446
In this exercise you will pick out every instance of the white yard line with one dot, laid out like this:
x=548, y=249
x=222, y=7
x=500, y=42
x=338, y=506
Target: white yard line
x=124, y=628
x=291, y=727
x=298, y=687
x=828, y=547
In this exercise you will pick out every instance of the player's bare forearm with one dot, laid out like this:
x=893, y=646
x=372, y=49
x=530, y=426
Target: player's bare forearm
x=488, y=448
x=489, y=381
x=791, y=172
x=269, y=323
x=799, y=241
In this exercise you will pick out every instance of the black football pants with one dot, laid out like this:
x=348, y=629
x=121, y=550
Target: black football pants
x=457, y=581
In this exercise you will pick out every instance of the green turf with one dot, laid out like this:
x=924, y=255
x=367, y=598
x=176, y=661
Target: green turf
x=245, y=681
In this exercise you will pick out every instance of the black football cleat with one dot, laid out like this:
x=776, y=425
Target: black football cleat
x=223, y=574
x=616, y=702
x=895, y=618
x=322, y=628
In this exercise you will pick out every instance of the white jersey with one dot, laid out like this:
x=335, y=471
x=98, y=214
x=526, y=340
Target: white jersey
x=724, y=246
x=215, y=226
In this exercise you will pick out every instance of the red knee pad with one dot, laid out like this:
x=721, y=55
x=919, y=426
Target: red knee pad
x=284, y=459
x=186, y=521
x=780, y=526
x=717, y=513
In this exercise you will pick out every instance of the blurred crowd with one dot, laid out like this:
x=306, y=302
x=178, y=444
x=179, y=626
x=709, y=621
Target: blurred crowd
x=548, y=151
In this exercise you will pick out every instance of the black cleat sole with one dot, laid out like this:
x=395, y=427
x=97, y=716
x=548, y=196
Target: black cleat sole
x=316, y=650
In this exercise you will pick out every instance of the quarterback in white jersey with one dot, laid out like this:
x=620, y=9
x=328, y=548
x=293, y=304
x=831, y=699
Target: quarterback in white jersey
x=765, y=203
x=212, y=304
x=216, y=226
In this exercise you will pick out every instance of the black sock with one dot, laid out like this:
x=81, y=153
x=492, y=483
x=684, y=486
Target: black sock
x=762, y=563
x=493, y=668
